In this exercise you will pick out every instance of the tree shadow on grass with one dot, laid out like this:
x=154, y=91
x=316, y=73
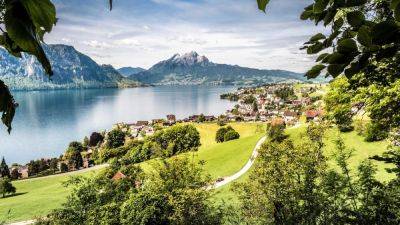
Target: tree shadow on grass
x=13, y=195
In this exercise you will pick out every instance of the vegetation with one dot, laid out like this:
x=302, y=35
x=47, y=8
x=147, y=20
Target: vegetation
x=6, y=187
x=292, y=184
x=115, y=138
x=4, y=171
x=42, y=195
x=226, y=134
x=285, y=93
x=338, y=104
x=230, y=96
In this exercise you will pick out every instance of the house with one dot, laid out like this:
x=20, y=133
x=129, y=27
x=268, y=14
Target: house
x=313, y=114
x=210, y=118
x=142, y=123
x=157, y=121
x=23, y=171
x=118, y=176
x=171, y=118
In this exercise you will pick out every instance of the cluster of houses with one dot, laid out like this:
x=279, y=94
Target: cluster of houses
x=268, y=105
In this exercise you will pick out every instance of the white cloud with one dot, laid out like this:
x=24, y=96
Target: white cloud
x=226, y=33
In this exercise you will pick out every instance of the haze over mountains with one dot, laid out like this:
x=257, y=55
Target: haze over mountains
x=73, y=69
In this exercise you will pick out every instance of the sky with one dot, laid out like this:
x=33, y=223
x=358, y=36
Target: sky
x=140, y=33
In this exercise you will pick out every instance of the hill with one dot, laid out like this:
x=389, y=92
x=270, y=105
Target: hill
x=193, y=69
x=72, y=69
x=126, y=71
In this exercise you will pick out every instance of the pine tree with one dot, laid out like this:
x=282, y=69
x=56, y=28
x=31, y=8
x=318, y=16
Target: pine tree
x=4, y=170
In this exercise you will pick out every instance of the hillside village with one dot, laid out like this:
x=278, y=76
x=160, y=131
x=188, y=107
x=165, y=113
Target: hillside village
x=288, y=104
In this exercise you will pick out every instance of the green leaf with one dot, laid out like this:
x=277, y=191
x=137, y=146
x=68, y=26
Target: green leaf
x=397, y=12
x=42, y=13
x=317, y=37
x=262, y=4
x=384, y=32
x=355, y=18
x=338, y=24
x=22, y=32
x=7, y=106
x=330, y=15
x=322, y=57
x=313, y=49
x=335, y=69
x=386, y=53
x=320, y=5
x=315, y=71
x=307, y=14
x=394, y=4
x=347, y=46
x=352, y=3
x=338, y=58
x=363, y=36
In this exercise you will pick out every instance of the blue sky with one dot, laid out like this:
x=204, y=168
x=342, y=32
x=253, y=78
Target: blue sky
x=143, y=32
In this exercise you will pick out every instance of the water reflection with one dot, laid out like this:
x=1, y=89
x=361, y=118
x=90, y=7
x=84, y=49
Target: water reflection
x=47, y=121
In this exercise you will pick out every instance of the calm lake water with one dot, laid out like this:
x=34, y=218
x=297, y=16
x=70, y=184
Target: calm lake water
x=46, y=121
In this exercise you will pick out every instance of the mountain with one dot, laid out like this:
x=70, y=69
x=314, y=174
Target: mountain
x=126, y=71
x=191, y=68
x=72, y=69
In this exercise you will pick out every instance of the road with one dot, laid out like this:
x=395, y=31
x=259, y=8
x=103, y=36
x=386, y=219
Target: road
x=242, y=171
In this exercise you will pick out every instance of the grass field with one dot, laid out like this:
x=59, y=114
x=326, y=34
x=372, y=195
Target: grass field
x=362, y=150
x=37, y=197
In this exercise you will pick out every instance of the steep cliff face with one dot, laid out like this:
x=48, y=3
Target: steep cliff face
x=72, y=69
x=191, y=68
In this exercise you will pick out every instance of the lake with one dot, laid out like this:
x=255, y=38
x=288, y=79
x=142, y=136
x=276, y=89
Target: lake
x=46, y=121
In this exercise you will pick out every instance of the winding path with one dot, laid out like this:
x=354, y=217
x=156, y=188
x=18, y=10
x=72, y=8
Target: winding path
x=249, y=164
x=217, y=184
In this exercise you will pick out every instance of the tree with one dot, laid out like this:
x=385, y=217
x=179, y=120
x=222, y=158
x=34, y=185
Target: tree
x=6, y=187
x=73, y=154
x=255, y=107
x=220, y=135
x=95, y=139
x=115, y=138
x=15, y=175
x=4, y=170
x=63, y=168
x=201, y=118
x=276, y=131
x=85, y=142
x=338, y=104
x=231, y=135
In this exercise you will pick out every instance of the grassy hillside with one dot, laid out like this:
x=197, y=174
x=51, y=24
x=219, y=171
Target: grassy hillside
x=362, y=150
x=37, y=197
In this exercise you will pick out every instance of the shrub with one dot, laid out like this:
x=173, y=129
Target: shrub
x=220, y=136
x=376, y=132
x=115, y=138
x=231, y=135
x=95, y=139
x=360, y=127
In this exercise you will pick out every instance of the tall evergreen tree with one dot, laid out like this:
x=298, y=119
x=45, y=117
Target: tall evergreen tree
x=4, y=170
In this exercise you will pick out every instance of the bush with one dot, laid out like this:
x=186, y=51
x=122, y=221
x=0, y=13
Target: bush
x=222, y=136
x=360, y=127
x=115, y=138
x=376, y=132
x=231, y=135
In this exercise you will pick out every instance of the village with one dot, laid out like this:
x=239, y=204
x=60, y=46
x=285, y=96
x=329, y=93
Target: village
x=288, y=104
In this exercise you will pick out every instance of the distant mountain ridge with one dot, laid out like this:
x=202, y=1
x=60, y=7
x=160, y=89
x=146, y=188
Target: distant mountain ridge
x=126, y=71
x=193, y=69
x=72, y=69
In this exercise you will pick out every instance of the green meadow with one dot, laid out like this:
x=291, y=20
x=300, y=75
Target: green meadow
x=37, y=197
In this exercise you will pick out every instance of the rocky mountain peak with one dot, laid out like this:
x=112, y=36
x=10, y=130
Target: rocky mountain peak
x=188, y=59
